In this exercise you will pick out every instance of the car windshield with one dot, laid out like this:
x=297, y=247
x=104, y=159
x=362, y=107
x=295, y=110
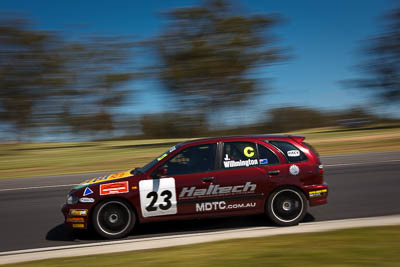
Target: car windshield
x=149, y=165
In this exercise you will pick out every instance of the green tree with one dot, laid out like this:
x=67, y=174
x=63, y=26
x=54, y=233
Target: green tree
x=294, y=118
x=382, y=68
x=30, y=68
x=99, y=70
x=173, y=125
x=209, y=54
x=50, y=84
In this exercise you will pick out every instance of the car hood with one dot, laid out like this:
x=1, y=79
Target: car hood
x=106, y=178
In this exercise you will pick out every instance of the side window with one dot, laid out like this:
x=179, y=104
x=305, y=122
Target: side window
x=267, y=156
x=239, y=155
x=292, y=153
x=192, y=160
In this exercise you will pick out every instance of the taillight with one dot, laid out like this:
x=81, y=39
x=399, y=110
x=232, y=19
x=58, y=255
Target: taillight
x=320, y=169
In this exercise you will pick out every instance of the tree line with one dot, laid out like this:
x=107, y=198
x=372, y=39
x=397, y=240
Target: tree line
x=207, y=58
x=54, y=85
x=277, y=120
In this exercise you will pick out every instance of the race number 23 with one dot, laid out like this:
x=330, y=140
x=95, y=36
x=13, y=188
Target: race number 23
x=157, y=197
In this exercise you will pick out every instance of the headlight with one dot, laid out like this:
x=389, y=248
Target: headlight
x=71, y=199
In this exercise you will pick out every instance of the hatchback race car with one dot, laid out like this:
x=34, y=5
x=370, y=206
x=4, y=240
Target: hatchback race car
x=279, y=175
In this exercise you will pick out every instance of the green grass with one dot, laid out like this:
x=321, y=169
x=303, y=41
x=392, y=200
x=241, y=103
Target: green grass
x=377, y=246
x=25, y=160
x=39, y=159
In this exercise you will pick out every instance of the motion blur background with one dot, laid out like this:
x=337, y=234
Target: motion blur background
x=73, y=71
x=98, y=86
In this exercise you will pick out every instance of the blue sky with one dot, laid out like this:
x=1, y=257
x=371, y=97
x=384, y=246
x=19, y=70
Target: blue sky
x=324, y=38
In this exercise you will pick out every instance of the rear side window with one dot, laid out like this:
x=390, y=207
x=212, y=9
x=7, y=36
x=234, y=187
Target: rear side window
x=267, y=156
x=239, y=155
x=291, y=152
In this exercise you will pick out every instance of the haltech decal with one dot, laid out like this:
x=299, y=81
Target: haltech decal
x=217, y=190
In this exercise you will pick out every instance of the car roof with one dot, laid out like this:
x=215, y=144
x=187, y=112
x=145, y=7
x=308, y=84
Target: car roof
x=285, y=137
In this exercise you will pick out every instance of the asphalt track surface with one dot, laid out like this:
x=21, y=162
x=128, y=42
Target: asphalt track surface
x=361, y=185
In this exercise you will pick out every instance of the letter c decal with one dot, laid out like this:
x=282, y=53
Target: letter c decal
x=248, y=151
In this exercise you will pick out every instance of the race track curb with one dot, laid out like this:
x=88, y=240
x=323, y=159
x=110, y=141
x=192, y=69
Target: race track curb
x=187, y=239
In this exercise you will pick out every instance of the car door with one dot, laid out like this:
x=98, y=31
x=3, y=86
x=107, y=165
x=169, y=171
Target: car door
x=241, y=178
x=274, y=164
x=192, y=170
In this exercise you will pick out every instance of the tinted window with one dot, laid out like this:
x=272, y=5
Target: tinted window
x=149, y=165
x=239, y=155
x=191, y=160
x=267, y=156
x=292, y=153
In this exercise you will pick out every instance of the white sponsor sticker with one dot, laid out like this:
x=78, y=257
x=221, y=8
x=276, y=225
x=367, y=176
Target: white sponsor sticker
x=294, y=170
x=86, y=200
x=293, y=153
x=240, y=163
x=158, y=197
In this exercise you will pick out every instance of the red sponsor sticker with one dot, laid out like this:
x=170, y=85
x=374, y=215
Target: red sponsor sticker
x=114, y=188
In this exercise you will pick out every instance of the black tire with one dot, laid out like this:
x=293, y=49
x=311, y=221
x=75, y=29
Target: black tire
x=113, y=219
x=286, y=206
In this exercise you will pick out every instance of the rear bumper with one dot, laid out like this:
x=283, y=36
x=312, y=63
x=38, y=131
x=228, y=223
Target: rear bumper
x=317, y=194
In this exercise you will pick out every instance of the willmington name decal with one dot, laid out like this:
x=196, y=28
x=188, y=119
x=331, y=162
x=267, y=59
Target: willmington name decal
x=240, y=163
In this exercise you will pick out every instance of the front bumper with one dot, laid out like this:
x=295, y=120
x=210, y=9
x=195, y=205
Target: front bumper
x=75, y=217
x=317, y=194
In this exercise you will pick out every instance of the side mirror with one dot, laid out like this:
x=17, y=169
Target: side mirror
x=161, y=172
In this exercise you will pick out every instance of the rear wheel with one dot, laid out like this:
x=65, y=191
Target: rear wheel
x=113, y=219
x=286, y=206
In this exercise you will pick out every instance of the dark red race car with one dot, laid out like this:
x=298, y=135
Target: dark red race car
x=279, y=175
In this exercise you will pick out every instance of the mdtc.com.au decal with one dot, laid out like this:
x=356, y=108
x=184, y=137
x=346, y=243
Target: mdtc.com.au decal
x=221, y=205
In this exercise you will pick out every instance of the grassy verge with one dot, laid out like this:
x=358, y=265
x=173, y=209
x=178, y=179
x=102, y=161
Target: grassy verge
x=377, y=246
x=26, y=160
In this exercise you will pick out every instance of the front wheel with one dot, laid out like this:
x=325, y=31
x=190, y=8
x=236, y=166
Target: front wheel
x=113, y=219
x=286, y=206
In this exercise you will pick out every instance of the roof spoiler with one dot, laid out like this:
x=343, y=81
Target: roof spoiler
x=297, y=138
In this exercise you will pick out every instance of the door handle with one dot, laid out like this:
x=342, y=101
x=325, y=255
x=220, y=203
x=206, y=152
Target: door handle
x=207, y=179
x=274, y=172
